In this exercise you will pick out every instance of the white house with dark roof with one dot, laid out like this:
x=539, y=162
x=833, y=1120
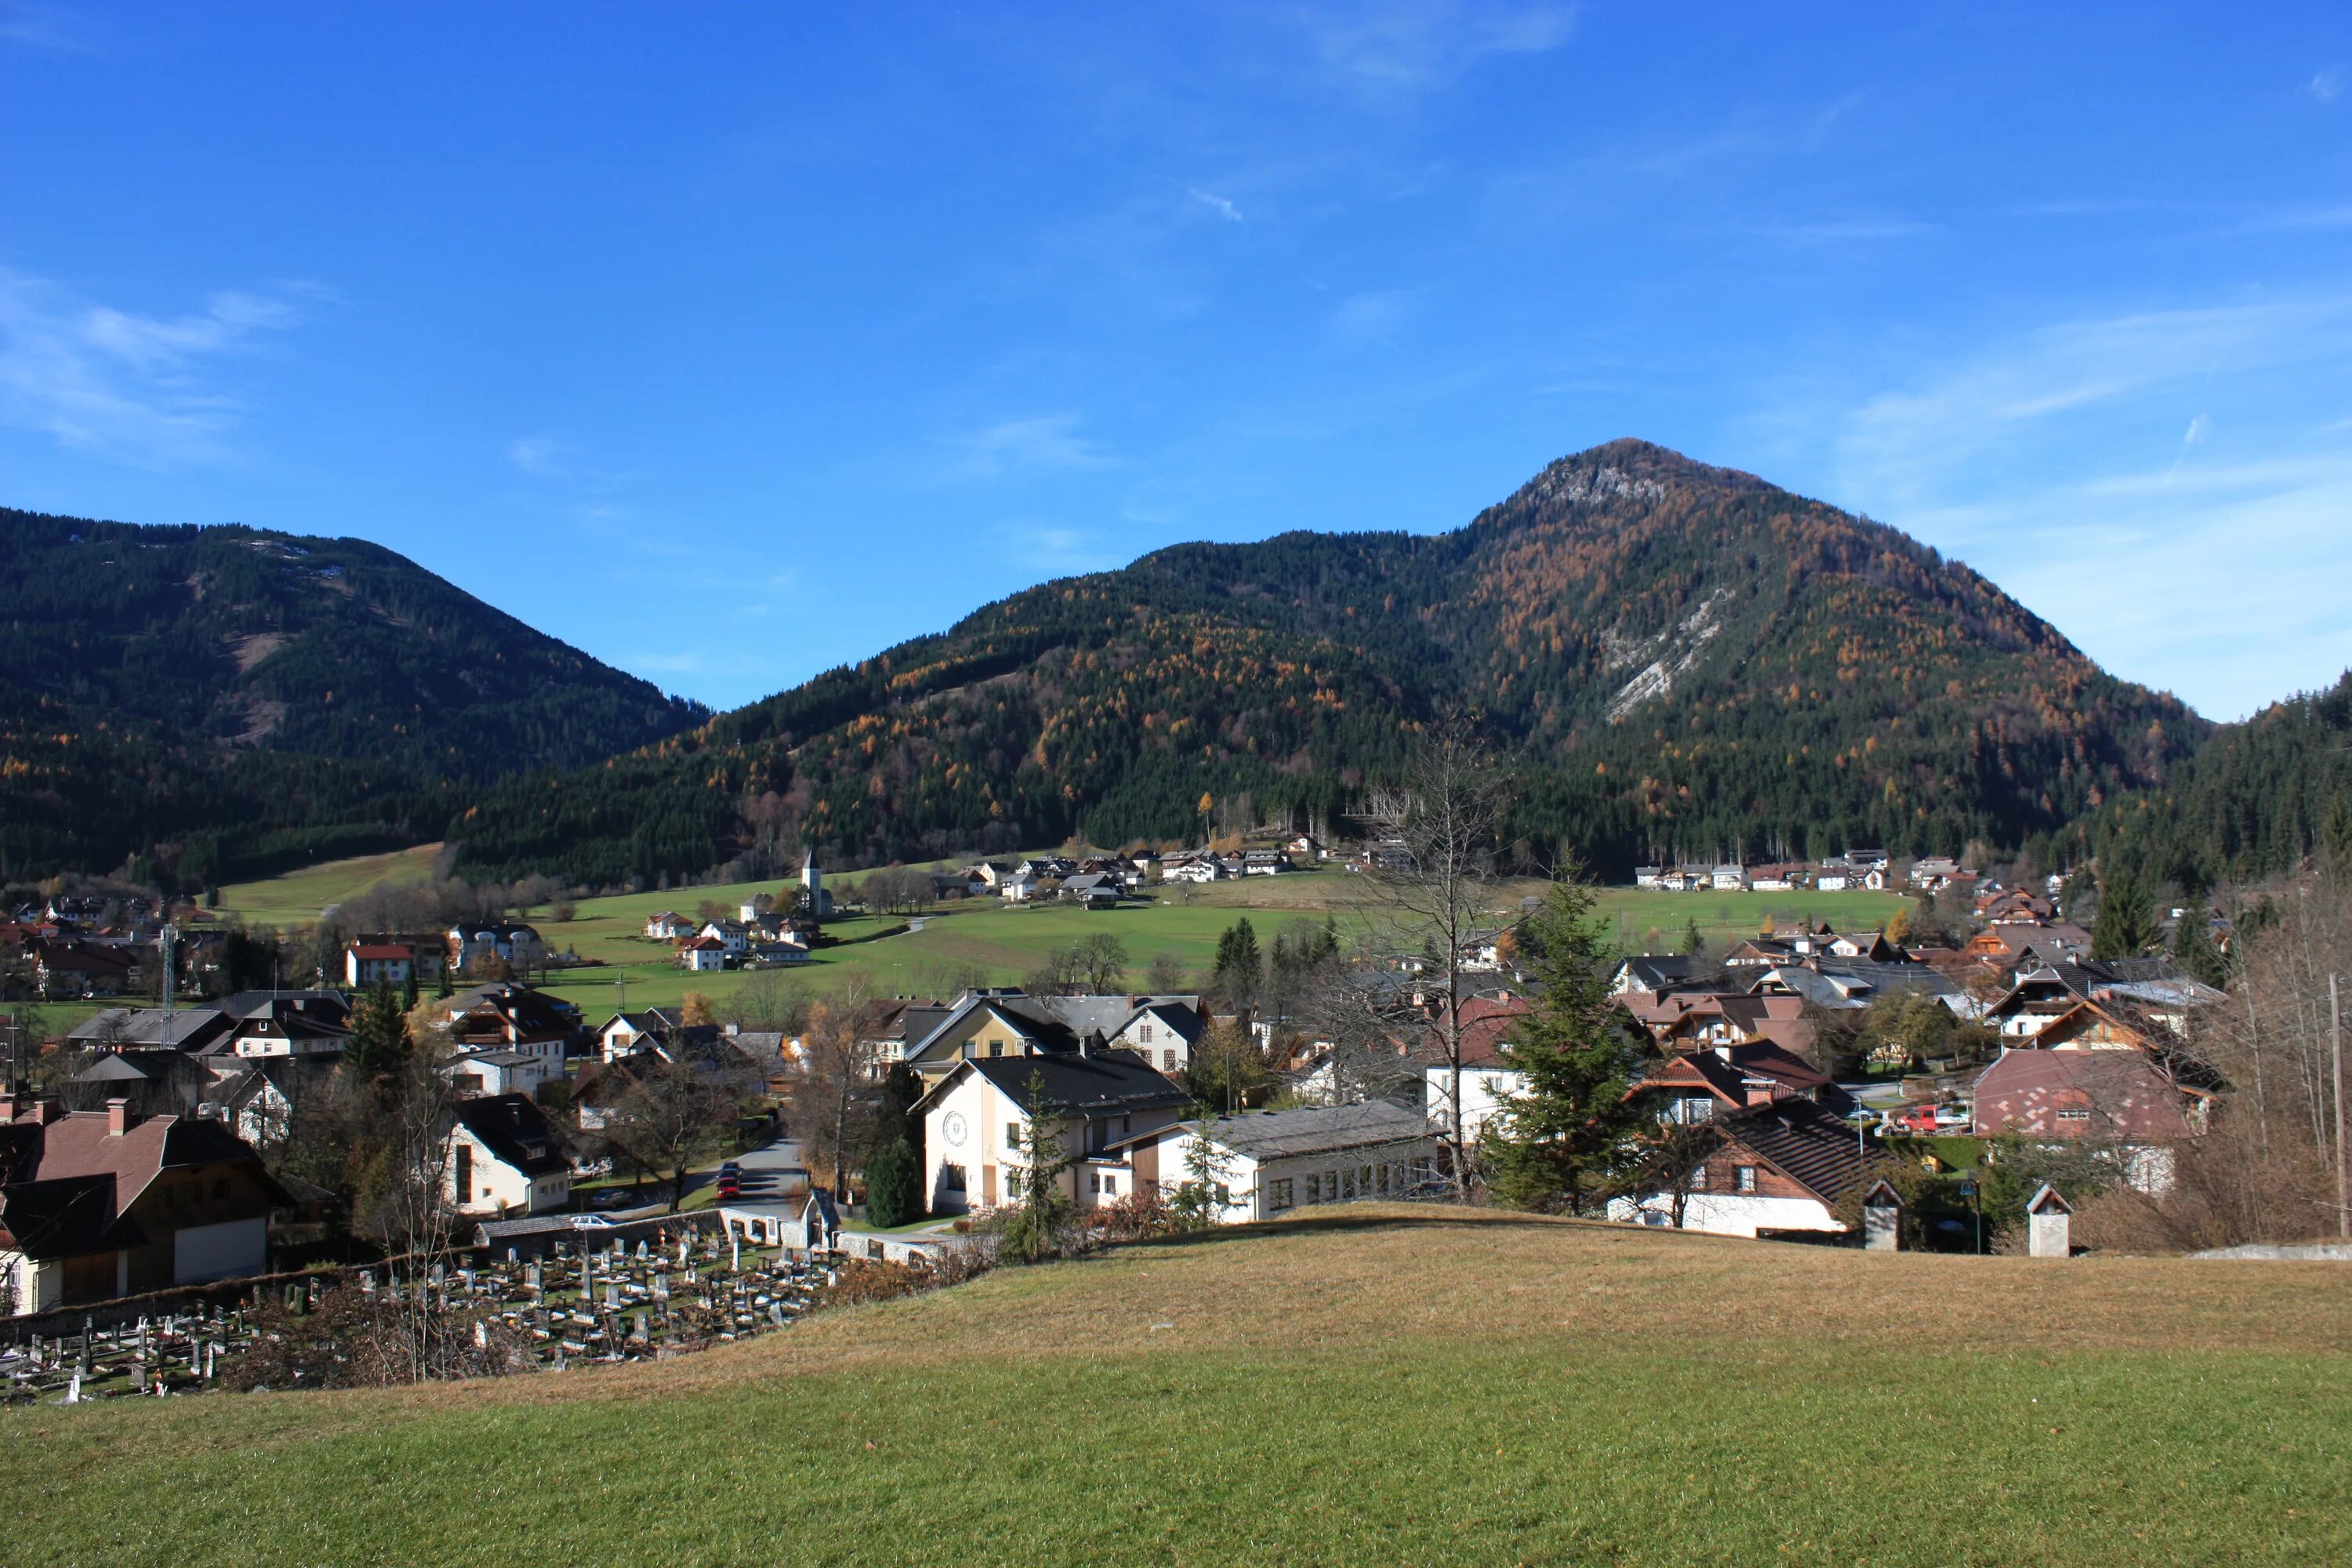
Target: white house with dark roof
x=504, y=1158
x=975, y=1122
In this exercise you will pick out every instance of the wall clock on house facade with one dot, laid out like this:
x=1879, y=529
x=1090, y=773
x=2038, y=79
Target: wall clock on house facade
x=953, y=1129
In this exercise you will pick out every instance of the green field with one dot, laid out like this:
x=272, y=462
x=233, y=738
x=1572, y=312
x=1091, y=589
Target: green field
x=1354, y=1387
x=1000, y=942
x=296, y=897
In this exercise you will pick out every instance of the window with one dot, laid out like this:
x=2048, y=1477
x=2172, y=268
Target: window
x=1699, y=1177
x=1278, y=1195
x=1013, y=1135
x=1744, y=1178
x=1384, y=1178
x=1170, y=1059
x=1364, y=1181
x=1314, y=1189
x=1110, y=1184
x=996, y=1047
x=970, y=1050
x=1330, y=1186
x=1348, y=1187
x=1143, y=1033
x=1224, y=1196
x=2075, y=1114
x=952, y=1178
x=1012, y=1184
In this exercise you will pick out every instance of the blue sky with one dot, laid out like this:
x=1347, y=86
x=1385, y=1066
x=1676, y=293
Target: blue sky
x=731, y=343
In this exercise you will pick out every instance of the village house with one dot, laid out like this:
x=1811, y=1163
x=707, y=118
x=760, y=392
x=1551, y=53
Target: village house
x=511, y=942
x=975, y=1124
x=702, y=955
x=69, y=967
x=668, y=926
x=1265, y=862
x=1700, y=1085
x=1780, y=1166
x=429, y=953
x=2127, y=1099
x=506, y=1018
x=190, y=1030
x=1488, y=1084
x=1653, y=972
x=367, y=965
x=503, y=1158
x=1159, y=1029
x=289, y=1023
x=100, y=1204
x=1262, y=1163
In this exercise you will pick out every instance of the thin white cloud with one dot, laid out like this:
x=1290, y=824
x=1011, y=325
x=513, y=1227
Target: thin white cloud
x=146, y=390
x=2142, y=481
x=2327, y=85
x=1216, y=204
x=1846, y=231
x=50, y=27
x=1372, y=317
x=1419, y=43
x=1054, y=548
x=538, y=455
x=1049, y=442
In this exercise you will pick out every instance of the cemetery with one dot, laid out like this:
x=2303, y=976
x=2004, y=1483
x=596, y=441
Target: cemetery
x=586, y=1301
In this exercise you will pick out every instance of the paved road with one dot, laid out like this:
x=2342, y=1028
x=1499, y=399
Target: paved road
x=772, y=1181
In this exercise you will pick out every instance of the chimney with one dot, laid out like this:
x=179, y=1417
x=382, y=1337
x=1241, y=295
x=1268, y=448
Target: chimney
x=119, y=1119
x=8, y=1107
x=46, y=1110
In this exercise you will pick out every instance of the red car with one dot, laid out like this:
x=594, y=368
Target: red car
x=1915, y=1118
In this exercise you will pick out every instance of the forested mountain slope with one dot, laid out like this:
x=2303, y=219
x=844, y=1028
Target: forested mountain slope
x=1675, y=658
x=2258, y=798
x=209, y=697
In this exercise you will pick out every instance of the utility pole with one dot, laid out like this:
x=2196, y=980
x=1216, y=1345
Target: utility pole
x=2343, y=1161
x=171, y=941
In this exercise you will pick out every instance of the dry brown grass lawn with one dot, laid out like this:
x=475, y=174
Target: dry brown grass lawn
x=1334, y=1280
x=1357, y=1384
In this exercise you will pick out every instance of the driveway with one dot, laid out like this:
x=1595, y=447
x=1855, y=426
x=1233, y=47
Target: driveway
x=772, y=1181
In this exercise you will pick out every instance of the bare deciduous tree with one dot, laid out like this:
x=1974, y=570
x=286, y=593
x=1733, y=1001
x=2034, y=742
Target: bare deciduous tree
x=1433, y=876
x=838, y=1081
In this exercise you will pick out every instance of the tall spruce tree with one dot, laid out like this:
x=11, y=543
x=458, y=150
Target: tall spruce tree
x=1556, y=1141
x=1240, y=965
x=379, y=1044
x=2125, y=924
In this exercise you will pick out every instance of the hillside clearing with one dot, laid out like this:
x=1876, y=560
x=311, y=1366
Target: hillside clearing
x=1357, y=1385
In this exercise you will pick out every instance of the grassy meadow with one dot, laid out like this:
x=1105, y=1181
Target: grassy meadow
x=1356, y=1385
x=1000, y=942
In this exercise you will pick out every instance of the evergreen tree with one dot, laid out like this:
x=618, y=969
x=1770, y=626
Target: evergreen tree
x=379, y=1044
x=1239, y=964
x=1038, y=1226
x=1558, y=1139
x=2126, y=926
x=894, y=1186
x=2194, y=951
x=1200, y=1198
x=1694, y=939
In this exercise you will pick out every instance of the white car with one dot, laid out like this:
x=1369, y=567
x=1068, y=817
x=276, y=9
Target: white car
x=591, y=1222
x=1953, y=1116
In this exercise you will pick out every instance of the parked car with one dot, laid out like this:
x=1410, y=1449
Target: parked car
x=1948, y=1117
x=1916, y=1118
x=591, y=1222
x=1864, y=1116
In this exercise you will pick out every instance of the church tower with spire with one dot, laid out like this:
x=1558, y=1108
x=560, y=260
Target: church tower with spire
x=812, y=896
